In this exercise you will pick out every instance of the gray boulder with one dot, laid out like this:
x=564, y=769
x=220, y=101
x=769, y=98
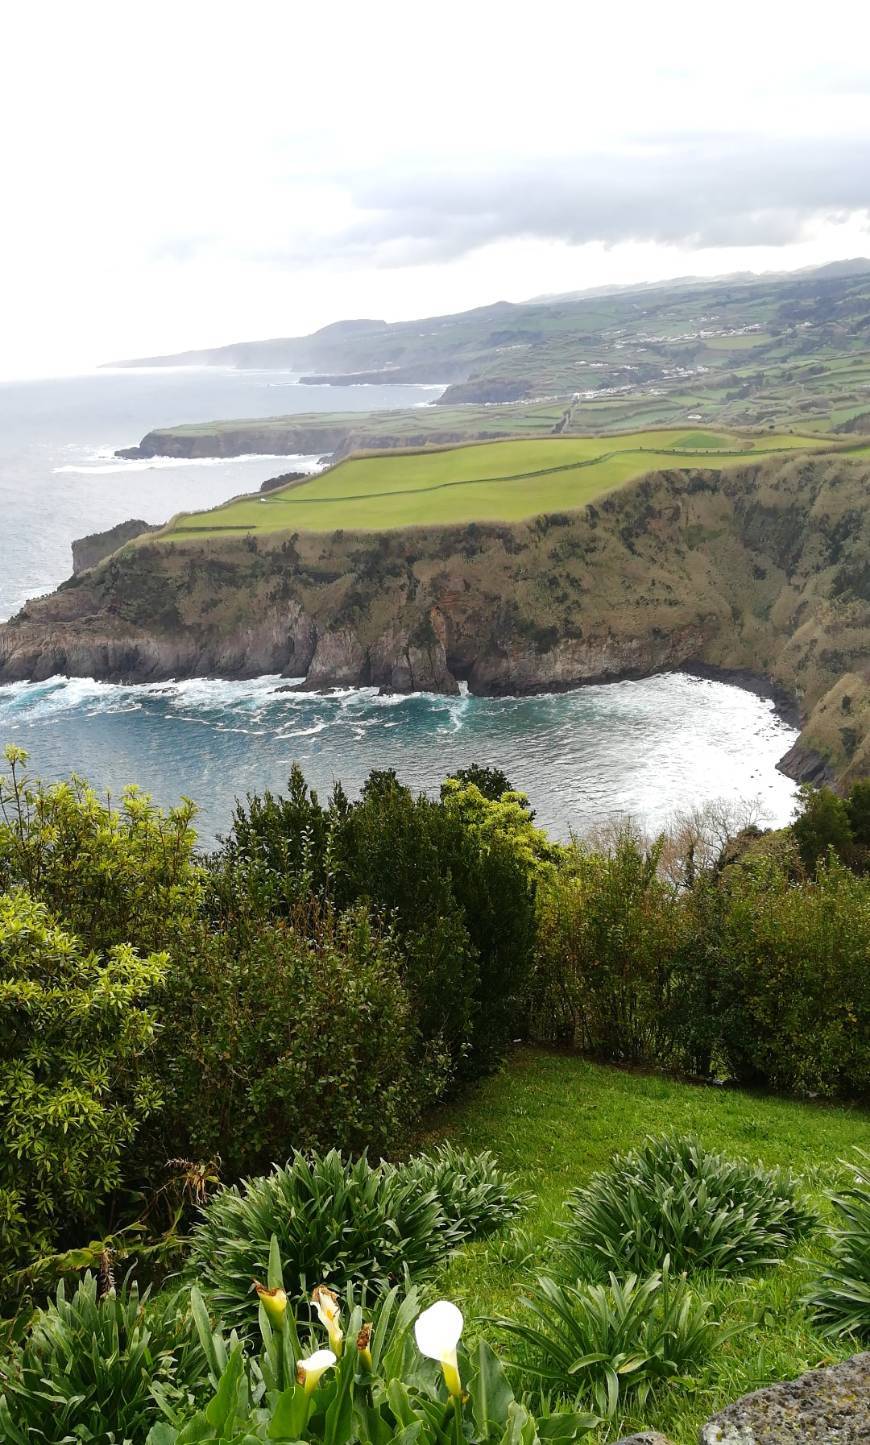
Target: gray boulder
x=825, y=1407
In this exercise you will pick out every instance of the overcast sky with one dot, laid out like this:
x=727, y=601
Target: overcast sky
x=187, y=174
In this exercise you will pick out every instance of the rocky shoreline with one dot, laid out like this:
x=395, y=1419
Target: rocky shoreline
x=737, y=575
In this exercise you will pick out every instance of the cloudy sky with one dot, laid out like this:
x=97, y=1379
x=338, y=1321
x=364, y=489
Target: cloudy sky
x=187, y=174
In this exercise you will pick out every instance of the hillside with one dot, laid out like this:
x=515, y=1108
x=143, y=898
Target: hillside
x=764, y=567
x=741, y=350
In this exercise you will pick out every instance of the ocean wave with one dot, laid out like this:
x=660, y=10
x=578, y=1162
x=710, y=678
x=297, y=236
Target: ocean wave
x=108, y=466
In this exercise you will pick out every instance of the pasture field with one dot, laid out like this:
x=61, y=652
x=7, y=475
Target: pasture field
x=556, y=1118
x=493, y=481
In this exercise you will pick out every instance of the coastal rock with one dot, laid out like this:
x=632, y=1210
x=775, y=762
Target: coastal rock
x=516, y=669
x=825, y=1407
x=88, y=551
x=339, y=660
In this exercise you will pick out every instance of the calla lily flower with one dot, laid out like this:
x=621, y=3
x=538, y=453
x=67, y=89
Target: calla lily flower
x=438, y=1330
x=326, y=1303
x=308, y=1371
x=274, y=1302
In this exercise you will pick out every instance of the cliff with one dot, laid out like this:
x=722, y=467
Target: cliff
x=88, y=551
x=764, y=568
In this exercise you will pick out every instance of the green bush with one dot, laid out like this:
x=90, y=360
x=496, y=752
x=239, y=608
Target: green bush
x=475, y=1195
x=840, y=1297
x=673, y=1199
x=602, y=1343
x=100, y=1370
x=610, y=936
x=114, y=874
x=335, y=1221
x=76, y=1078
x=792, y=998
x=456, y=887
x=821, y=822
x=286, y=1035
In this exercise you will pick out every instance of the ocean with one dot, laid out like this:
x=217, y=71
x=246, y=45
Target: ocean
x=641, y=749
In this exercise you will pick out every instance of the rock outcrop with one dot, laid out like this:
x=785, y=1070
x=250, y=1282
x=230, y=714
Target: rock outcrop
x=88, y=551
x=762, y=569
x=825, y=1407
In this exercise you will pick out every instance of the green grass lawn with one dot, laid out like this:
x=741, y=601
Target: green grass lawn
x=503, y=480
x=555, y=1119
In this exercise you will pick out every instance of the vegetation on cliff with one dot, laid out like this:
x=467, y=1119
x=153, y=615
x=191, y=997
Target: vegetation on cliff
x=761, y=567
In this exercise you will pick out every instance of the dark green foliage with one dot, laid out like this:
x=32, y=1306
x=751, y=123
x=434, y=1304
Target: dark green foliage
x=610, y=937
x=98, y=1370
x=792, y=981
x=492, y=782
x=604, y=1344
x=673, y=1199
x=475, y=1195
x=461, y=905
x=76, y=1077
x=822, y=823
x=858, y=811
x=840, y=1297
x=289, y=1034
x=335, y=1221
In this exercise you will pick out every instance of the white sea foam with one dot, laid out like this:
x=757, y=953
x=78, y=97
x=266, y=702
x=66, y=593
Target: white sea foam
x=113, y=465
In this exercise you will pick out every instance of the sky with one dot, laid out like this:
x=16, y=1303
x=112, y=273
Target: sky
x=189, y=174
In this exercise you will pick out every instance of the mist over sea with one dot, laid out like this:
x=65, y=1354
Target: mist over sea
x=636, y=748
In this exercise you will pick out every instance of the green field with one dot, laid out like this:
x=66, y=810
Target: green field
x=556, y=1118
x=503, y=481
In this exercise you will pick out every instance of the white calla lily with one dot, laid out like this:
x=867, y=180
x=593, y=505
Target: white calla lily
x=328, y=1308
x=438, y=1331
x=308, y=1371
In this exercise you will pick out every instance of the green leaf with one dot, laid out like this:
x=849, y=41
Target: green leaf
x=491, y=1394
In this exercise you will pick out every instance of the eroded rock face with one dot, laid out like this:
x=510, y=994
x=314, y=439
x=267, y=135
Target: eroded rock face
x=825, y=1407
x=88, y=551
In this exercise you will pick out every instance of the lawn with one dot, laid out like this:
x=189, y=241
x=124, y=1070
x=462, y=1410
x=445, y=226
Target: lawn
x=556, y=1118
x=503, y=480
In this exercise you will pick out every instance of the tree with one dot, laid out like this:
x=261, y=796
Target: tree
x=822, y=822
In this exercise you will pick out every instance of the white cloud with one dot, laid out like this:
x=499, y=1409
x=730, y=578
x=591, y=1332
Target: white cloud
x=187, y=174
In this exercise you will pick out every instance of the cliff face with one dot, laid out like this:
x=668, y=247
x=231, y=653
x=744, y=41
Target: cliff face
x=765, y=568
x=88, y=551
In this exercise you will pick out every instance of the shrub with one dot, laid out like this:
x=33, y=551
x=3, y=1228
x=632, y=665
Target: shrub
x=475, y=1196
x=335, y=1221
x=75, y=1078
x=122, y=874
x=840, y=1297
x=293, y=1034
x=454, y=885
x=99, y=1369
x=672, y=1199
x=610, y=935
x=822, y=822
x=600, y=1343
x=792, y=984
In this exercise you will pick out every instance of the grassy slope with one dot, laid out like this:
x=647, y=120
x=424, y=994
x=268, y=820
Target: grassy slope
x=557, y=1118
x=504, y=481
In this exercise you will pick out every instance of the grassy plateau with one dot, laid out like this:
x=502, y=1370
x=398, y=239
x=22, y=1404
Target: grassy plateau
x=491, y=481
x=556, y=1119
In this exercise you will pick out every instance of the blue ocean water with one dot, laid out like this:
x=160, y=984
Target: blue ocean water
x=640, y=749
